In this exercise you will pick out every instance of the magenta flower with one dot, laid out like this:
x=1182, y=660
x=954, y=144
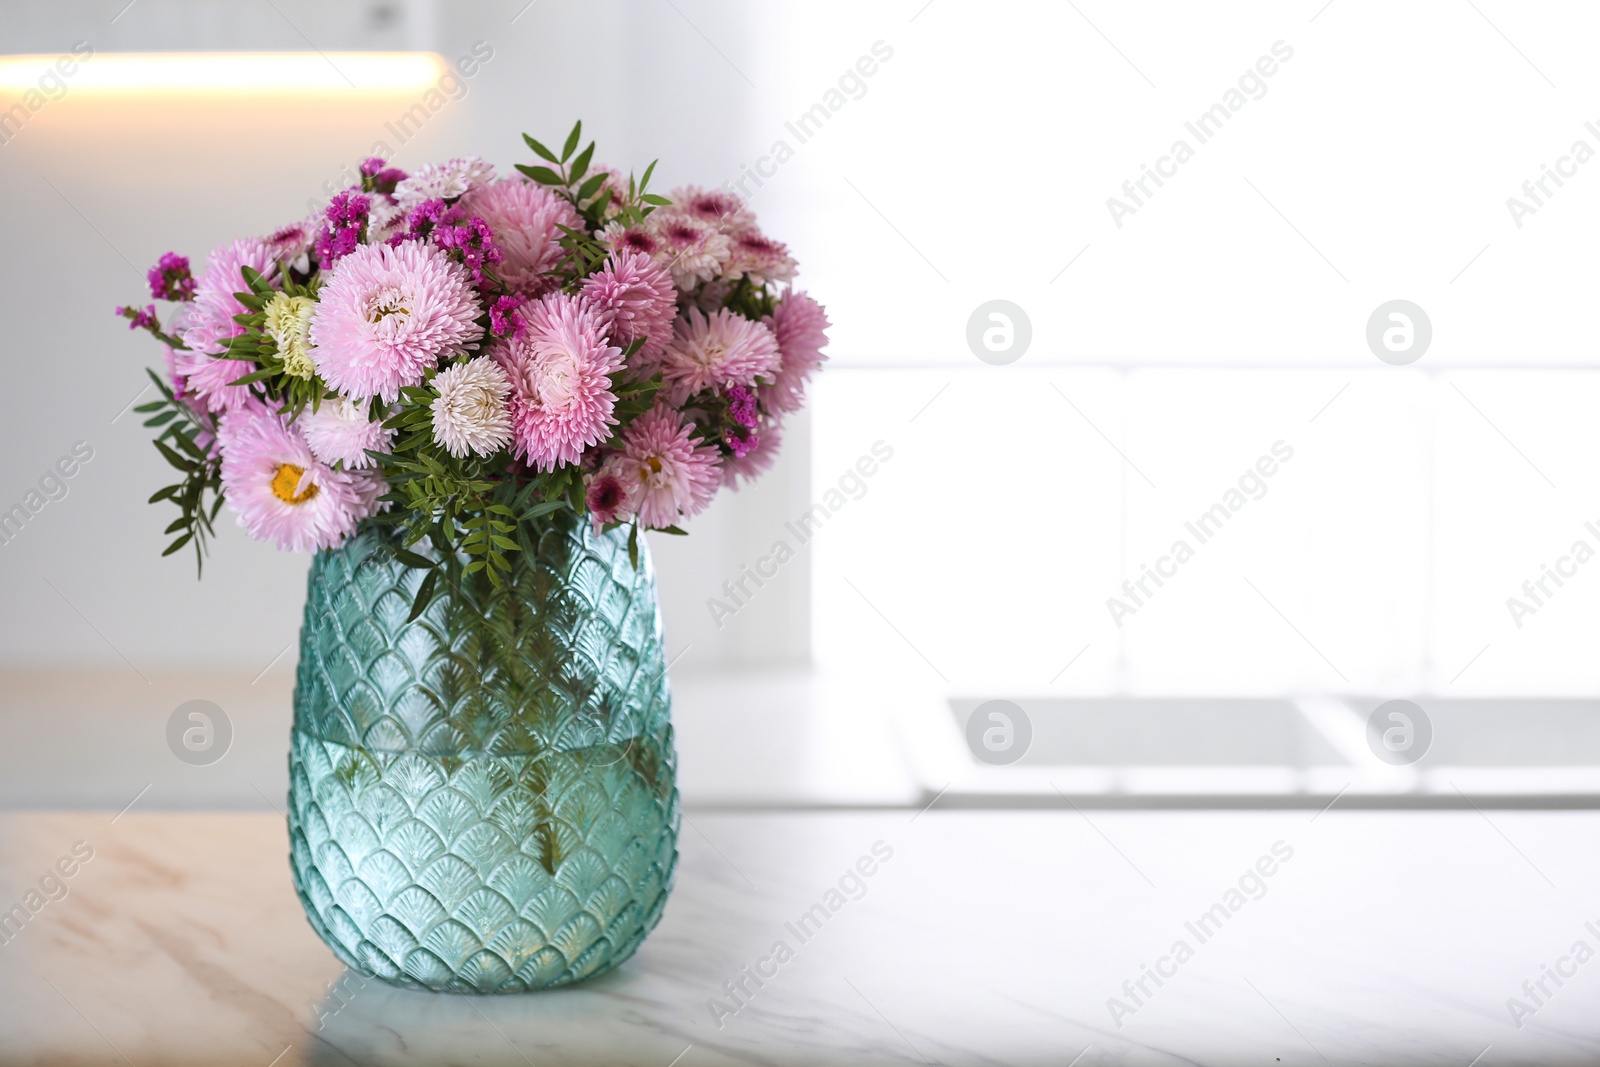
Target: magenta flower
x=344, y=220
x=137, y=319
x=636, y=298
x=708, y=352
x=386, y=316
x=757, y=457
x=526, y=220
x=170, y=278
x=502, y=323
x=801, y=327
x=608, y=499
x=560, y=367
x=281, y=492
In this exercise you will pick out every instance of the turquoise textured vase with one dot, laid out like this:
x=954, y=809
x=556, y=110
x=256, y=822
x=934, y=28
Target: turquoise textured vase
x=484, y=800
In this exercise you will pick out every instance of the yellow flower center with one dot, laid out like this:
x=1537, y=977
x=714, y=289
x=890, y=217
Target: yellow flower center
x=287, y=481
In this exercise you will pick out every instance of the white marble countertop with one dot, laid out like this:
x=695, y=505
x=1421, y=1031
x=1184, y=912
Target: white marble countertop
x=986, y=937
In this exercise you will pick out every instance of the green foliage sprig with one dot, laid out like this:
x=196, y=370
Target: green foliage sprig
x=202, y=471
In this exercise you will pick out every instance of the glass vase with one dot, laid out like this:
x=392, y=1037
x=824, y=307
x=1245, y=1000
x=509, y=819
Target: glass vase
x=483, y=799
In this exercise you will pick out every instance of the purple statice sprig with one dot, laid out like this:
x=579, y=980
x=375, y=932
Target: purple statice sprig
x=170, y=278
x=343, y=224
x=378, y=177
x=452, y=229
x=145, y=319
x=742, y=410
x=503, y=321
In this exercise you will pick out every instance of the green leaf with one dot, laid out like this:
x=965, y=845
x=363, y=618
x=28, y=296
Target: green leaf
x=179, y=543
x=542, y=175
x=163, y=494
x=673, y=530
x=652, y=198
x=424, y=594
x=173, y=458
x=633, y=545
x=590, y=187
x=540, y=150
x=580, y=166
x=411, y=559
x=572, y=141
x=154, y=405
x=161, y=419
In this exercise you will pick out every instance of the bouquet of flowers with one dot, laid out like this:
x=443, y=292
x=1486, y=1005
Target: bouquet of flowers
x=455, y=354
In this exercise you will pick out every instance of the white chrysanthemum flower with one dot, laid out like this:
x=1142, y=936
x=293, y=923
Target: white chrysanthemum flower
x=469, y=414
x=443, y=181
x=289, y=325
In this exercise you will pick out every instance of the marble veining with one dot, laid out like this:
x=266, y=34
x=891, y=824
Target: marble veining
x=948, y=937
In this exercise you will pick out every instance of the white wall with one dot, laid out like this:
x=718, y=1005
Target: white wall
x=92, y=190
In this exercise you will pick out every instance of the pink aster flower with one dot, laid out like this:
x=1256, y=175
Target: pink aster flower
x=279, y=489
x=340, y=432
x=443, y=181
x=672, y=473
x=206, y=323
x=385, y=316
x=801, y=327
x=758, y=257
x=693, y=250
x=526, y=220
x=635, y=297
x=642, y=239
x=726, y=211
x=721, y=349
x=608, y=497
x=560, y=368
x=292, y=244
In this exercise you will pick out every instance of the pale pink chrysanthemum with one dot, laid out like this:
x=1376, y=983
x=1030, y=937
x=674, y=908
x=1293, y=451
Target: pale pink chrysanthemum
x=470, y=412
x=526, y=220
x=608, y=497
x=693, y=250
x=291, y=245
x=206, y=324
x=724, y=348
x=754, y=255
x=726, y=211
x=340, y=432
x=560, y=366
x=642, y=239
x=801, y=326
x=635, y=297
x=753, y=464
x=385, y=315
x=443, y=181
x=672, y=474
x=281, y=492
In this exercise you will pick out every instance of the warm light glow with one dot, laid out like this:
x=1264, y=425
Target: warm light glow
x=230, y=73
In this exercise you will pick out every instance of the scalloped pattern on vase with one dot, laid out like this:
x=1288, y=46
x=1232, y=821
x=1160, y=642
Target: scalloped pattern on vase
x=484, y=799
